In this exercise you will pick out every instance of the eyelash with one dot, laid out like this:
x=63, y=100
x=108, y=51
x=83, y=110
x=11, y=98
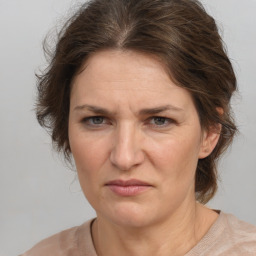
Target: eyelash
x=92, y=125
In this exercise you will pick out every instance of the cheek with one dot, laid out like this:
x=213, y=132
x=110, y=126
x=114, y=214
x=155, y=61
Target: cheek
x=86, y=155
x=176, y=157
x=175, y=149
x=89, y=154
x=176, y=162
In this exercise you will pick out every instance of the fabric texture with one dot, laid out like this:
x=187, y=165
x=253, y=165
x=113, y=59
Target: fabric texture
x=228, y=236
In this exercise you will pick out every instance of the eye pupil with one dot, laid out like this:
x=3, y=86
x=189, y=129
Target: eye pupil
x=159, y=120
x=97, y=120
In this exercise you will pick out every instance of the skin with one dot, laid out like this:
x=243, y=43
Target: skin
x=125, y=143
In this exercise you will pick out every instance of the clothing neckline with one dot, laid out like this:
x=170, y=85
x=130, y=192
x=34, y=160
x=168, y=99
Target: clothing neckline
x=206, y=241
x=85, y=230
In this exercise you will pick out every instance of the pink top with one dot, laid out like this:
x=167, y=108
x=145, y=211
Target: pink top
x=227, y=236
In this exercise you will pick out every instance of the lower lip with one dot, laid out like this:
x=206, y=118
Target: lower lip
x=128, y=190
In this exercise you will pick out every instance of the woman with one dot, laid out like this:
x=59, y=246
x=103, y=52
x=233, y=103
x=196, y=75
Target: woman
x=138, y=94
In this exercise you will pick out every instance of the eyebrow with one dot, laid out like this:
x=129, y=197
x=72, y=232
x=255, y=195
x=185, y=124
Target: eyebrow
x=156, y=110
x=144, y=111
x=94, y=109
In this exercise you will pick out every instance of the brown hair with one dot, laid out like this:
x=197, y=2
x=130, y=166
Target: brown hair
x=179, y=32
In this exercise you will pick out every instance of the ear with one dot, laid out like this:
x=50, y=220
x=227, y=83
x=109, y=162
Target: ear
x=210, y=139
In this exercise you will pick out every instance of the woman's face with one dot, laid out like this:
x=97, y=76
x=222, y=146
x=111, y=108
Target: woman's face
x=135, y=137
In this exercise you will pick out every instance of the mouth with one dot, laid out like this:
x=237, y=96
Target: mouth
x=129, y=187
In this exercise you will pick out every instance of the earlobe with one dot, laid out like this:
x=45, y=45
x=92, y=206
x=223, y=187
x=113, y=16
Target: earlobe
x=209, y=141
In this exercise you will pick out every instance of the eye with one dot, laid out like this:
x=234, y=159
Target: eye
x=94, y=120
x=159, y=121
x=97, y=119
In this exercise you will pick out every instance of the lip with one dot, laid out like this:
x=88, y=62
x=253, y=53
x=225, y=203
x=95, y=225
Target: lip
x=131, y=187
x=131, y=182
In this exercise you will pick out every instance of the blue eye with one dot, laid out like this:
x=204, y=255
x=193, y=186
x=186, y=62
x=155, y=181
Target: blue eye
x=94, y=120
x=159, y=121
x=97, y=120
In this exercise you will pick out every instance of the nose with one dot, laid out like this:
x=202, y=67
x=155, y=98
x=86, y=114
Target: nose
x=127, y=149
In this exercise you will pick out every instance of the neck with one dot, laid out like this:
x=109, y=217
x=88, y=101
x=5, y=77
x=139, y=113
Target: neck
x=174, y=236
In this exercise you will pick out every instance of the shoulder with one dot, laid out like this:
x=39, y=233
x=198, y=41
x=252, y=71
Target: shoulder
x=64, y=243
x=242, y=233
x=227, y=236
x=236, y=237
x=59, y=244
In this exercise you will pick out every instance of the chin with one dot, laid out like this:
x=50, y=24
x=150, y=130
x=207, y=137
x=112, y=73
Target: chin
x=130, y=214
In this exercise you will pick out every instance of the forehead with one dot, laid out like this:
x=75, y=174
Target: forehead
x=127, y=76
x=120, y=65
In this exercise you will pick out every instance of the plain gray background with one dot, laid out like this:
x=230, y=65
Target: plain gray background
x=39, y=196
